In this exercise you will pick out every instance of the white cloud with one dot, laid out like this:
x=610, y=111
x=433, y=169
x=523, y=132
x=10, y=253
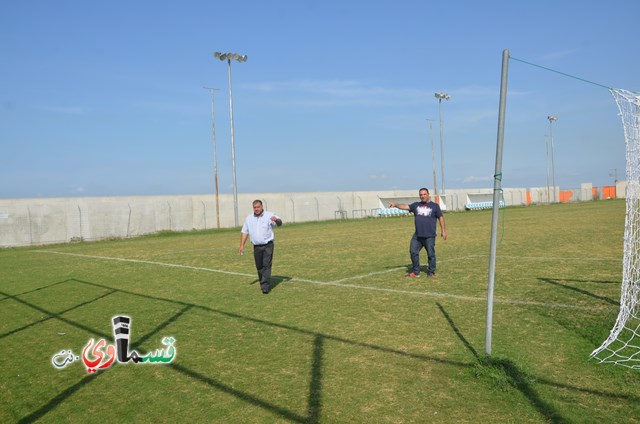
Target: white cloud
x=340, y=93
x=474, y=179
x=560, y=54
x=77, y=190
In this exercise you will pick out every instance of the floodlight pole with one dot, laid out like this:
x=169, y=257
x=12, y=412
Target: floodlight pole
x=433, y=158
x=546, y=142
x=215, y=159
x=239, y=58
x=441, y=96
x=497, y=191
x=552, y=118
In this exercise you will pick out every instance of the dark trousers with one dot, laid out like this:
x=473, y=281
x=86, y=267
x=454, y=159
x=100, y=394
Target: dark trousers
x=263, y=255
x=416, y=245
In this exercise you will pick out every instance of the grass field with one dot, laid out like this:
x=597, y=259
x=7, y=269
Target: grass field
x=343, y=336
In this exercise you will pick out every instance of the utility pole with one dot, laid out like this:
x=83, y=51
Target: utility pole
x=215, y=158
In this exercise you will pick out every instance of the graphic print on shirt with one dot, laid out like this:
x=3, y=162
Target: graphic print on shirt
x=424, y=210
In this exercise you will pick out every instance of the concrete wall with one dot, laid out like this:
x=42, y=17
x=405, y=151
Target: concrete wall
x=25, y=222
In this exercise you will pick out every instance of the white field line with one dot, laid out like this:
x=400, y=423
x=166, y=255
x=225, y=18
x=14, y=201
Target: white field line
x=207, y=249
x=371, y=274
x=531, y=258
x=337, y=283
x=140, y=261
x=543, y=258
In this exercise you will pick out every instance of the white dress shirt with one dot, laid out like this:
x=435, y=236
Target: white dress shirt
x=259, y=228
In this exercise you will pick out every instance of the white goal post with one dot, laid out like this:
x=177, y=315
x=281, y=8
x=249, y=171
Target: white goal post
x=622, y=347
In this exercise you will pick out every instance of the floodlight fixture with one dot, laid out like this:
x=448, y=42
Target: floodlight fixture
x=229, y=56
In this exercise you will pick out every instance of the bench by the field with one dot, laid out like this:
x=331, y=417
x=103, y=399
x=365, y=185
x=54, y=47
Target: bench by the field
x=385, y=212
x=475, y=206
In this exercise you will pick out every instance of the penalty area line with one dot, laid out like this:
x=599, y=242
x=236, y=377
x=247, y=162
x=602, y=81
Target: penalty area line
x=371, y=274
x=452, y=296
x=140, y=261
x=336, y=283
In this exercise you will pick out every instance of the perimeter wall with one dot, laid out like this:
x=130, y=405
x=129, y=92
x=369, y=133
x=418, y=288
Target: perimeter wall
x=25, y=222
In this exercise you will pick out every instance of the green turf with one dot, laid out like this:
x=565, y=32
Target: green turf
x=342, y=337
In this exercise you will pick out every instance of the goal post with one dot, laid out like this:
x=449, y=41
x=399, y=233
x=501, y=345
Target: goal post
x=622, y=347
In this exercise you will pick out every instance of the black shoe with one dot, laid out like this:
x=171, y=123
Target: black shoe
x=265, y=291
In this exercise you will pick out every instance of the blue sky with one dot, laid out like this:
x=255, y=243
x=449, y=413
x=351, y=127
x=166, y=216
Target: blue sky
x=107, y=99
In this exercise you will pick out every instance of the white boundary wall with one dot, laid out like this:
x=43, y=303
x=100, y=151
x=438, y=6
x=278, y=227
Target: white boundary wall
x=25, y=222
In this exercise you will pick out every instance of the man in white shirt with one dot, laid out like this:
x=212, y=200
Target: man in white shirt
x=259, y=225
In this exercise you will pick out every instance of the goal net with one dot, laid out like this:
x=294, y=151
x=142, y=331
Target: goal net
x=622, y=347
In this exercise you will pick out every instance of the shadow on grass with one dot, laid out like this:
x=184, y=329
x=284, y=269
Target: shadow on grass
x=275, y=281
x=406, y=268
x=57, y=315
x=561, y=283
x=455, y=329
x=315, y=383
x=504, y=374
x=514, y=376
x=53, y=403
x=314, y=397
x=60, y=398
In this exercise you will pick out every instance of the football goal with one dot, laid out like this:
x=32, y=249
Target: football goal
x=622, y=347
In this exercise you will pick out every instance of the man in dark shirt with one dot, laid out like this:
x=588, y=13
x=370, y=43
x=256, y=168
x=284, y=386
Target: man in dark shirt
x=426, y=214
